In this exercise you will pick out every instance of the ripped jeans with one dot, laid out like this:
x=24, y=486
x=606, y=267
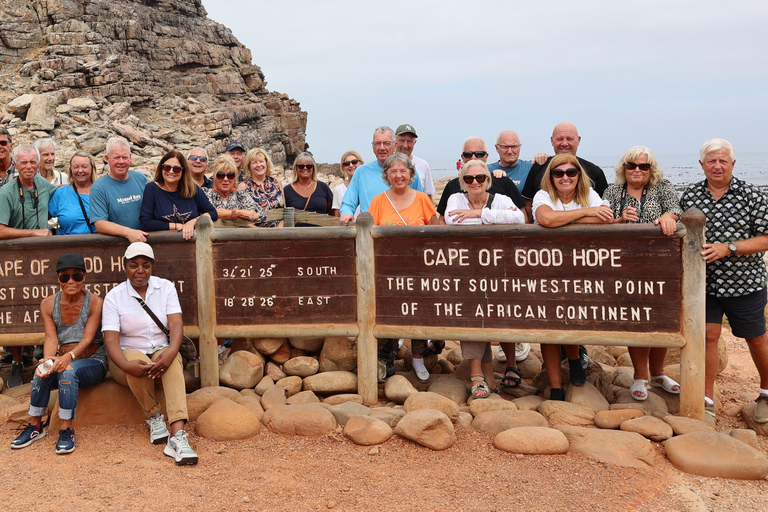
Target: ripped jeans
x=84, y=373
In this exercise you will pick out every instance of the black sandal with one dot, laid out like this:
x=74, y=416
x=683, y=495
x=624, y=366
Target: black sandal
x=515, y=379
x=435, y=347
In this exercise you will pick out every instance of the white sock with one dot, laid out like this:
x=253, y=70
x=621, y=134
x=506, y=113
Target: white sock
x=709, y=401
x=418, y=364
x=763, y=391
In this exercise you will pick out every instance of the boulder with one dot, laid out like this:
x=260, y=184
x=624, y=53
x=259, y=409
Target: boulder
x=465, y=420
x=226, y=420
x=588, y=396
x=623, y=377
x=745, y=436
x=303, y=397
x=338, y=353
x=624, y=360
x=299, y=420
x=302, y=366
x=40, y=113
x=454, y=356
x=488, y=405
x=682, y=425
x=430, y=428
x=345, y=397
x=494, y=422
x=429, y=400
x=398, y=389
x=253, y=404
x=566, y=413
x=343, y=412
x=275, y=372
x=328, y=383
x=651, y=427
x=528, y=403
x=197, y=401
x=716, y=454
x=292, y=384
x=532, y=441
x=19, y=105
x=462, y=371
x=307, y=344
x=653, y=405
x=242, y=370
x=601, y=355
x=451, y=388
x=86, y=104
x=388, y=415
x=613, y=419
x=273, y=397
x=268, y=346
x=611, y=446
x=282, y=354
x=367, y=431
x=264, y=384
x=529, y=367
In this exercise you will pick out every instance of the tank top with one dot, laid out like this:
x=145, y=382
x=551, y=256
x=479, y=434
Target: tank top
x=73, y=333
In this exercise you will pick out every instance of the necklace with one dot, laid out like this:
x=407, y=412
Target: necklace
x=482, y=203
x=307, y=187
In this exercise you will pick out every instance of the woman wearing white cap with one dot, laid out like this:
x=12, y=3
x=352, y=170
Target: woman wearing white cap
x=140, y=352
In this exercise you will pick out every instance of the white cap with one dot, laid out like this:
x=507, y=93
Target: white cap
x=139, y=249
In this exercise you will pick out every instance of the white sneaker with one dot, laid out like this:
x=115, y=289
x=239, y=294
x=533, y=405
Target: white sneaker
x=521, y=351
x=500, y=355
x=158, y=433
x=178, y=448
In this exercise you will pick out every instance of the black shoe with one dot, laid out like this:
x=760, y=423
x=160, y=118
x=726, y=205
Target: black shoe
x=578, y=377
x=38, y=353
x=583, y=356
x=557, y=394
x=7, y=356
x=14, y=379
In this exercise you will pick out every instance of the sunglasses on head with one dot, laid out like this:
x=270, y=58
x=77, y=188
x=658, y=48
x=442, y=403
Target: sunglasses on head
x=347, y=163
x=631, y=166
x=476, y=154
x=559, y=173
x=192, y=158
x=222, y=175
x=175, y=168
x=304, y=167
x=77, y=276
x=480, y=178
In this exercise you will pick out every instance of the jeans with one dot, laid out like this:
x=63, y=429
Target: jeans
x=84, y=373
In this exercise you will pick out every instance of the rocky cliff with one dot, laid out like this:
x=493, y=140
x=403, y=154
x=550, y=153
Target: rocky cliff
x=156, y=71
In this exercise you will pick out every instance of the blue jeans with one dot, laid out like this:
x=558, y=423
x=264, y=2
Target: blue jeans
x=84, y=373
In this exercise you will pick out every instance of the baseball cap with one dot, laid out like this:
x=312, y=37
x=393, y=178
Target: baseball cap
x=406, y=128
x=234, y=144
x=139, y=249
x=70, y=260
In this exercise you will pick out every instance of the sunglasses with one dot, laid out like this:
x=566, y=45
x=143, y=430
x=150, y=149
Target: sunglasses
x=228, y=175
x=350, y=162
x=4, y=143
x=193, y=158
x=631, y=166
x=305, y=167
x=64, y=278
x=476, y=154
x=175, y=168
x=480, y=178
x=559, y=173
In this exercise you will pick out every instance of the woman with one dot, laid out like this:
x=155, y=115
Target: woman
x=47, y=149
x=72, y=320
x=70, y=204
x=172, y=201
x=350, y=161
x=566, y=197
x=403, y=206
x=232, y=204
x=266, y=190
x=475, y=205
x=305, y=192
x=641, y=194
x=140, y=352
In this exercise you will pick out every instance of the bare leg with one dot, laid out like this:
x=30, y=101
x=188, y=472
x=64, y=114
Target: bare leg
x=657, y=359
x=639, y=356
x=509, y=350
x=176, y=426
x=551, y=355
x=572, y=351
x=16, y=353
x=712, y=358
x=488, y=373
x=758, y=347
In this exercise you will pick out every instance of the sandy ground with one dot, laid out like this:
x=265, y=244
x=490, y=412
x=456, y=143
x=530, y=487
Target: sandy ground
x=116, y=468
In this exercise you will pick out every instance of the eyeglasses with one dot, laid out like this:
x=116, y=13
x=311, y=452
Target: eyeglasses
x=347, y=163
x=193, y=158
x=229, y=175
x=64, y=278
x=631, y=166
x=4, y=143
x=476, y=154
x=504, y=147
x=559, y=173
x=305, y=167
x=386, y=144
x=172, y=168
x=480, y=178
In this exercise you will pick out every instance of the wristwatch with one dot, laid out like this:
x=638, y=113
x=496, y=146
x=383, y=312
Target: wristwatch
x=732, y=247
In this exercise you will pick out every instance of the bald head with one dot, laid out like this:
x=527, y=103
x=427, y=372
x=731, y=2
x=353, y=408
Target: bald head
x=565, y=139
x=477, y=147
x=508, y=146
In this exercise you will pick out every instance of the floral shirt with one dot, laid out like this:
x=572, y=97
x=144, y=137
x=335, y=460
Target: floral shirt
x=268, y=197
x=237, y=200
x=659, y=199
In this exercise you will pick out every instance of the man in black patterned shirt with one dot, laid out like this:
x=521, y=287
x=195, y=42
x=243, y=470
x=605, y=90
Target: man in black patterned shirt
x=737, y=236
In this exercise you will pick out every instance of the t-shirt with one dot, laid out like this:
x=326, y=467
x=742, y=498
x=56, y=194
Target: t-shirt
x=159, y=207
x=542, y=199
x=533, y=181
x=338, y=195
x=517, y=173
x=425, y=174
x=418, y=213
x=503, y=186
x=367, y=183
x=502, y=211
x=66, y=207
x=11, y=213
x=118, y=201
x=318, y=201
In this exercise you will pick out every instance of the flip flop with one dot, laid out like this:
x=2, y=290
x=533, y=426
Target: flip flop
x=665, y=383
x=515, y=379
x=639, y=386
x=480, y=389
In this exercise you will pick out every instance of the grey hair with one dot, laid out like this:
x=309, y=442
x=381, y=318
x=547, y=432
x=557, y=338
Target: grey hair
x=397, y=157
x=716, y=145
x=4, y=131
x=44, y=143
x=385, y=129
x=27, y=149
x=117, y=141
x=475, y=139
x=196, y=149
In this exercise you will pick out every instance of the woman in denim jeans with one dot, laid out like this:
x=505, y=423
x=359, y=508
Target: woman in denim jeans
x=72, y=320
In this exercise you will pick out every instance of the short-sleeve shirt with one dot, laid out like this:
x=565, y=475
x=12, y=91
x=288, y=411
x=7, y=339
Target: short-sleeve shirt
x=10, y=174
x=517, y=173
x=542, y=198
x=741, y=213
x=65, y=205
x=318, y=201
x=533, y=181
x=14, y=215
x=659, y=199
x=118, y=201
x=418, y=213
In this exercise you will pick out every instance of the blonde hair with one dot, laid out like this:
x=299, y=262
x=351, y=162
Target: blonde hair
x=474, y=163
x=250, y=155
x=91, y=160
x=225, y=163
x=621, y=173
x=582, y=187
x=304, y=158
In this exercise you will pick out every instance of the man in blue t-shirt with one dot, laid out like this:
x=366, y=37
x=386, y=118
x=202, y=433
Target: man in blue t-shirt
x=116, y=197
x=508, y=146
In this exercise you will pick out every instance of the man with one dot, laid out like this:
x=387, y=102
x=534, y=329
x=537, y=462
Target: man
x=737, y=236
x=508, y=146
x=24, y=213
x=236, y=150
x=115, y=200
x=198, y=164
x=47, y=149
x=366, y=183
x=404, y=142
x=7, y=167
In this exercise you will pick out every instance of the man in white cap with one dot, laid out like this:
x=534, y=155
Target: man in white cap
x=405, y=140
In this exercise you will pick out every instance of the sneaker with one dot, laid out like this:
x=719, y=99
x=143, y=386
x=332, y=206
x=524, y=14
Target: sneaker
x=158, y=433
x=761, y=409
x=66, y=442
x=29, y=435
x=521, y=351
x=178, y=448
x=501, y=356
x=15, y=378
x=583, y=356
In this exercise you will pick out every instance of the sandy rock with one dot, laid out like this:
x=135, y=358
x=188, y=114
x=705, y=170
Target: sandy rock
x=446, y=366
x=338, y=353
x=613, y=419
x=331, y=382
x=273, y=397
x=532, y=441
x=651, y=427
x=451, y=388
x=275, y=372
x=588, y=396
x=429, y=400
x=2, y=385
x=624, y=360
x=611, y=446
x=343, y=412
x=302, y=366
x=40, y=113
x=716, y=454
x=19, y=105
x=292, y=384
x=682, y=425
x=429, y=428
x=82, y=104
x=367, y=431
x=462, y=371
x=197, y=401
x=307, y=344
x=494, y=422
x=226, y=420
x=634, y=405
x=566, y=413
x=529, y=367
x=18, y=391
x=303, y=397
x=465, y=420
x=388, y=415
x=745, y=436
x=264, y=384
x=250, y=393
x=241, y=370
x=282, y=354
x=528, y=403
x=653, y=405
x=672, y=400
x=299, y=420
x=488, y=405
x=345, y=397
x=601, y=355
x=454, y=356
x=268, y=346
x=623, y=377
x=252, y=403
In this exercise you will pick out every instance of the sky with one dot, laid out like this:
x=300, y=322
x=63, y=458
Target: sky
x=667, y=75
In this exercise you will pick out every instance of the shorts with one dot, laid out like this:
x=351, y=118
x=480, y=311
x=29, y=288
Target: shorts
x=746, y=313
x=477, y=350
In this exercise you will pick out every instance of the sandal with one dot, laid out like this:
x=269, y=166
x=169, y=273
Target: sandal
x=514, y=379
x=667, y=384
x=435, y=346
x=481, y=389
x=639, y=390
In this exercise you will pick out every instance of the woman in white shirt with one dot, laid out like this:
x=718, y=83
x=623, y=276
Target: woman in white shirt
x=350, y=161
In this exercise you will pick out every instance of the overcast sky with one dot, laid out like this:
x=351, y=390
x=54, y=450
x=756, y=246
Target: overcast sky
x=668, y=75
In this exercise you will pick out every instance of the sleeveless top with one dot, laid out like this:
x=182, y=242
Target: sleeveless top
x=73, y=333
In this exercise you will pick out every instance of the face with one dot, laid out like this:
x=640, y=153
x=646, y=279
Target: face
x=508, y=147
x=71, y=286
x=5, y=147
x=474, y=146
x=119, y=161
x=565, y=139
x=305, y=169
x=81, y=170
x=258, y=166
x=47, y=159
x=27, y=165
x=404, y=143
x=237, y=155
x=172, y=171
x=398, y=176
x=718, y=167
x=383, y=145
x=138, y=270
x=566, y=185
x=348, y=165
x=196, y=163
x=226, y=182
x=637, y=177
x=475, y=187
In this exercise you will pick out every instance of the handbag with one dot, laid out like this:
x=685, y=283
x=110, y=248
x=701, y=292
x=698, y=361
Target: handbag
x=188, y=350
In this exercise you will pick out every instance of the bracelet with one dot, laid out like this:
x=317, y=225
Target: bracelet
x=234, y=214
x=72, y=353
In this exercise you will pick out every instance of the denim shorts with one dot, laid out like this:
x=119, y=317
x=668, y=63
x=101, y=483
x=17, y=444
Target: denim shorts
x=746, y=314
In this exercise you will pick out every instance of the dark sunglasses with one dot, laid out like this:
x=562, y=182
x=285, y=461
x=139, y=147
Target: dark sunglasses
x=476, y=154
x=350, y=162
x=222, y=175
x=192, y=158
x=304, y=167
x=480, y=178
x=631, y=166
x=4, y=143
x=559, y=173
x=64, y=278
x=175, y=168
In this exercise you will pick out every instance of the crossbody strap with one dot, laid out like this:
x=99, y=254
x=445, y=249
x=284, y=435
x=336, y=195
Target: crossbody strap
x=82, y=207
x=152, y=315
